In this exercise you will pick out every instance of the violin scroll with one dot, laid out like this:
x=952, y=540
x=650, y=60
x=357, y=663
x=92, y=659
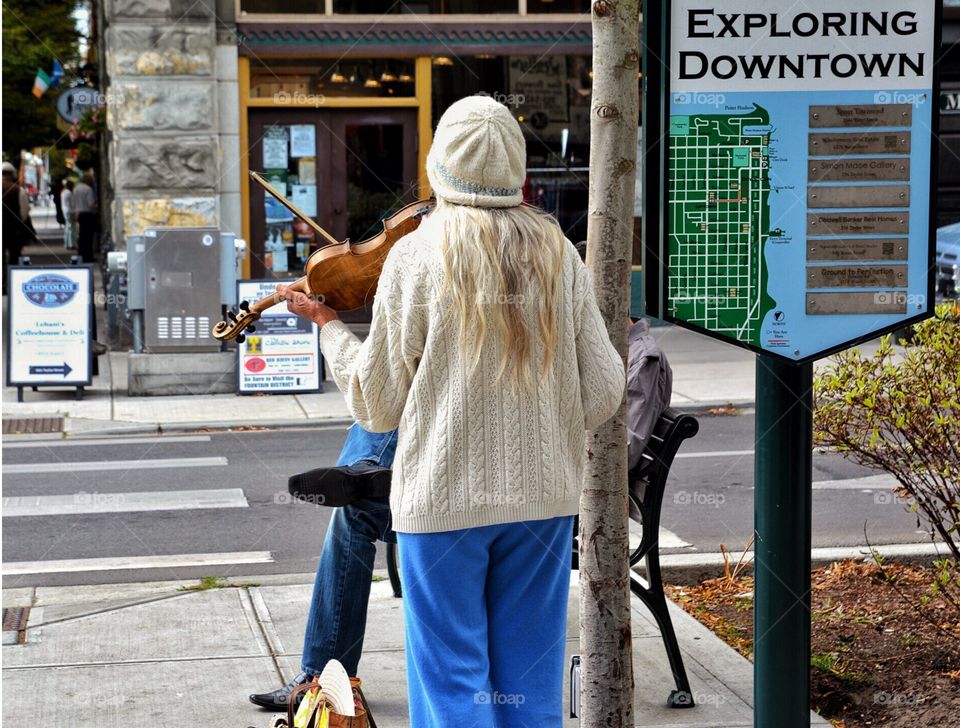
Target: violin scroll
x=235, y=325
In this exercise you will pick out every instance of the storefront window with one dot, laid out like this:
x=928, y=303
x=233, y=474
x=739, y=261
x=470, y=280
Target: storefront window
x=550, y=97
x=347, y=169
x=308, y=82
x=289, y=158
x=424, y=7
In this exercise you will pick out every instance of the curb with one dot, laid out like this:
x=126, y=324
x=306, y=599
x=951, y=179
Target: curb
x=692, y=568
x=119, y=427
x=679, y=569
x=699, y=408
x=158, y=428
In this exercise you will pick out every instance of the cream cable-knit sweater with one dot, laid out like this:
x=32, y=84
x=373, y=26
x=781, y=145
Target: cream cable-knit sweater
x=471, y=452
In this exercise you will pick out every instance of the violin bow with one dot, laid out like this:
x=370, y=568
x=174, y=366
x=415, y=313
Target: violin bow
x=261, y=180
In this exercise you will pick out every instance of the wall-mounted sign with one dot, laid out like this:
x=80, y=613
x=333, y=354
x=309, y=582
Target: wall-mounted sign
x=950, y=101
x=74, y=101
x=283, y=354
x=49, y=323
x=800, y=161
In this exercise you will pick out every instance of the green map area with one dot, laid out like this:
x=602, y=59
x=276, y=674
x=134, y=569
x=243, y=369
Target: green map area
x=719, y=198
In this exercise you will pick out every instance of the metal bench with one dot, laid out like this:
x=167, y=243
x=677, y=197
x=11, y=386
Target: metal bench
x=648, y=481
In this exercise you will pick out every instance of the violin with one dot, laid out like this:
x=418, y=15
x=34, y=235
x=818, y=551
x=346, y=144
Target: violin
x=342, y=275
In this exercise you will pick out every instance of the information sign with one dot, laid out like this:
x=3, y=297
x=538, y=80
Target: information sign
x=799, y=163
x=283, y=354
x=50, y=326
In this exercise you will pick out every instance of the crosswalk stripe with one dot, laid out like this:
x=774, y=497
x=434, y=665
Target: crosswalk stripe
x=714, y=454
x=670, y=540
x=116, y=563
x=105, y=441
x=86, y=466
x=870, y=482
x=80, y=503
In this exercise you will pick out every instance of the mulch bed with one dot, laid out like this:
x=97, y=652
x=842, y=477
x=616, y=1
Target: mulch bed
x=882, y=653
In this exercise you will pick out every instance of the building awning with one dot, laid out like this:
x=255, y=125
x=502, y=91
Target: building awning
x=415, y=38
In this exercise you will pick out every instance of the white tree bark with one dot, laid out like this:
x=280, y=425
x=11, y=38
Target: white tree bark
x=606, y=692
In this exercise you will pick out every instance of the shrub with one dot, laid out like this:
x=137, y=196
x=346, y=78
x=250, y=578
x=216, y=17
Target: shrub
x=901, y=414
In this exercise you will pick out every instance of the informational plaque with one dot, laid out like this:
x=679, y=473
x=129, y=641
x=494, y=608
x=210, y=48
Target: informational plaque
x=827, y=249
x=283, y=354
x=848, y=196
x=859, y=169
x=799, y=162
x=856, y=142
x=50, y=325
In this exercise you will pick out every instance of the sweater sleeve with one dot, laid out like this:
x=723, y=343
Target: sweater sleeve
x=375, y=375
x=602, y=376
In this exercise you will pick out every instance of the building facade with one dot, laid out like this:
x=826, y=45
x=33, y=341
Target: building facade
x=338, y=101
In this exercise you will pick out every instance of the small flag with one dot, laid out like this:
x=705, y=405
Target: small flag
x=41, y=83
x=56, y=75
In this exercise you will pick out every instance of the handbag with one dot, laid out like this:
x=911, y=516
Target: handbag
x=315, y=711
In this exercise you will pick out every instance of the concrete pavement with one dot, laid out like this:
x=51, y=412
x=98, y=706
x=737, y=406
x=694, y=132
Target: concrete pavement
x=139, y=654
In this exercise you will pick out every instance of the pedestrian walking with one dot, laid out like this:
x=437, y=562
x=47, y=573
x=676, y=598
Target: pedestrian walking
x=84, y=202
x=70, y=225
x=17, y=226
x=488, y=351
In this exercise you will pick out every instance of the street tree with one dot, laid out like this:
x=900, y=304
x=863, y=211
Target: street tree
x=605, y=633
x=35, y=33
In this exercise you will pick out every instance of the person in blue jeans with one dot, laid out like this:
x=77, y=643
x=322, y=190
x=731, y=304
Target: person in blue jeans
x=341, y=590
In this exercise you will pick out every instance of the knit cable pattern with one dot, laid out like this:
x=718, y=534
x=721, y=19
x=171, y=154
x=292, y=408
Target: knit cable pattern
x=472, y=451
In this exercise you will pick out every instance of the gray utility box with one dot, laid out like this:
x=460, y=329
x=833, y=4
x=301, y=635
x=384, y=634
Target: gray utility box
x=181, y=268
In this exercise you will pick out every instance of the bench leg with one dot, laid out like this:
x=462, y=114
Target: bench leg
x=393, y=570
x=653, y=597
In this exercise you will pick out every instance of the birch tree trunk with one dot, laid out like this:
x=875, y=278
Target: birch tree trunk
x=606, y=692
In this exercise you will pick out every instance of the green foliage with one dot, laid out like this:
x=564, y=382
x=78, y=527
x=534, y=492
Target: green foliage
x=215, y=582
x=901, y=414
x=35, y=32
x=834, y=664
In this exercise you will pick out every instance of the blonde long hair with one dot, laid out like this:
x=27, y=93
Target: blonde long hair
x=502, y=270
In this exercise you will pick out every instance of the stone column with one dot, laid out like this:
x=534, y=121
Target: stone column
x=228, y=108
x=163, y=114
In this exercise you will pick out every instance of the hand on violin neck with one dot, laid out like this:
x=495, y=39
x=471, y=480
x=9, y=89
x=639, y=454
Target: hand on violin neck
x=306, y=306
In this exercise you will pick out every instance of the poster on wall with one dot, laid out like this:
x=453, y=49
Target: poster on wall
x=283, y=354
x=50, y=326
x=275, y=147
x=303, y=140
x=538, y=89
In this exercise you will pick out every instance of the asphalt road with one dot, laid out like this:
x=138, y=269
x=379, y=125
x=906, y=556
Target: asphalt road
x=230, y=491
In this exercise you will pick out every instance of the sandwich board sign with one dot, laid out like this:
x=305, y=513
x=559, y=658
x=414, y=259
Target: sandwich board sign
x=800, y=158
x=283, y=354
x=50, y=325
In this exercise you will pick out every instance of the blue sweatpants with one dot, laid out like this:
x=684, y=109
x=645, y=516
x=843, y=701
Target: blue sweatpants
x=485, y=611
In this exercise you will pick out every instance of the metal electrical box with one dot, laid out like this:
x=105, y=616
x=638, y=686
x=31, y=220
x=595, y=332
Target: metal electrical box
x=181, y=269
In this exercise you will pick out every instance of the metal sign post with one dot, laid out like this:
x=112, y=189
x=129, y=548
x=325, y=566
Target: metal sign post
x=790, y=156
x=782, y=540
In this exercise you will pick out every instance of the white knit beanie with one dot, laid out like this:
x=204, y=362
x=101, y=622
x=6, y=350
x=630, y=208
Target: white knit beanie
x=479, y=156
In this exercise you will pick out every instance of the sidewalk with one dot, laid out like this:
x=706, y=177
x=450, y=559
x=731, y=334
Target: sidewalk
x=706, y=373
x=87, y=651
